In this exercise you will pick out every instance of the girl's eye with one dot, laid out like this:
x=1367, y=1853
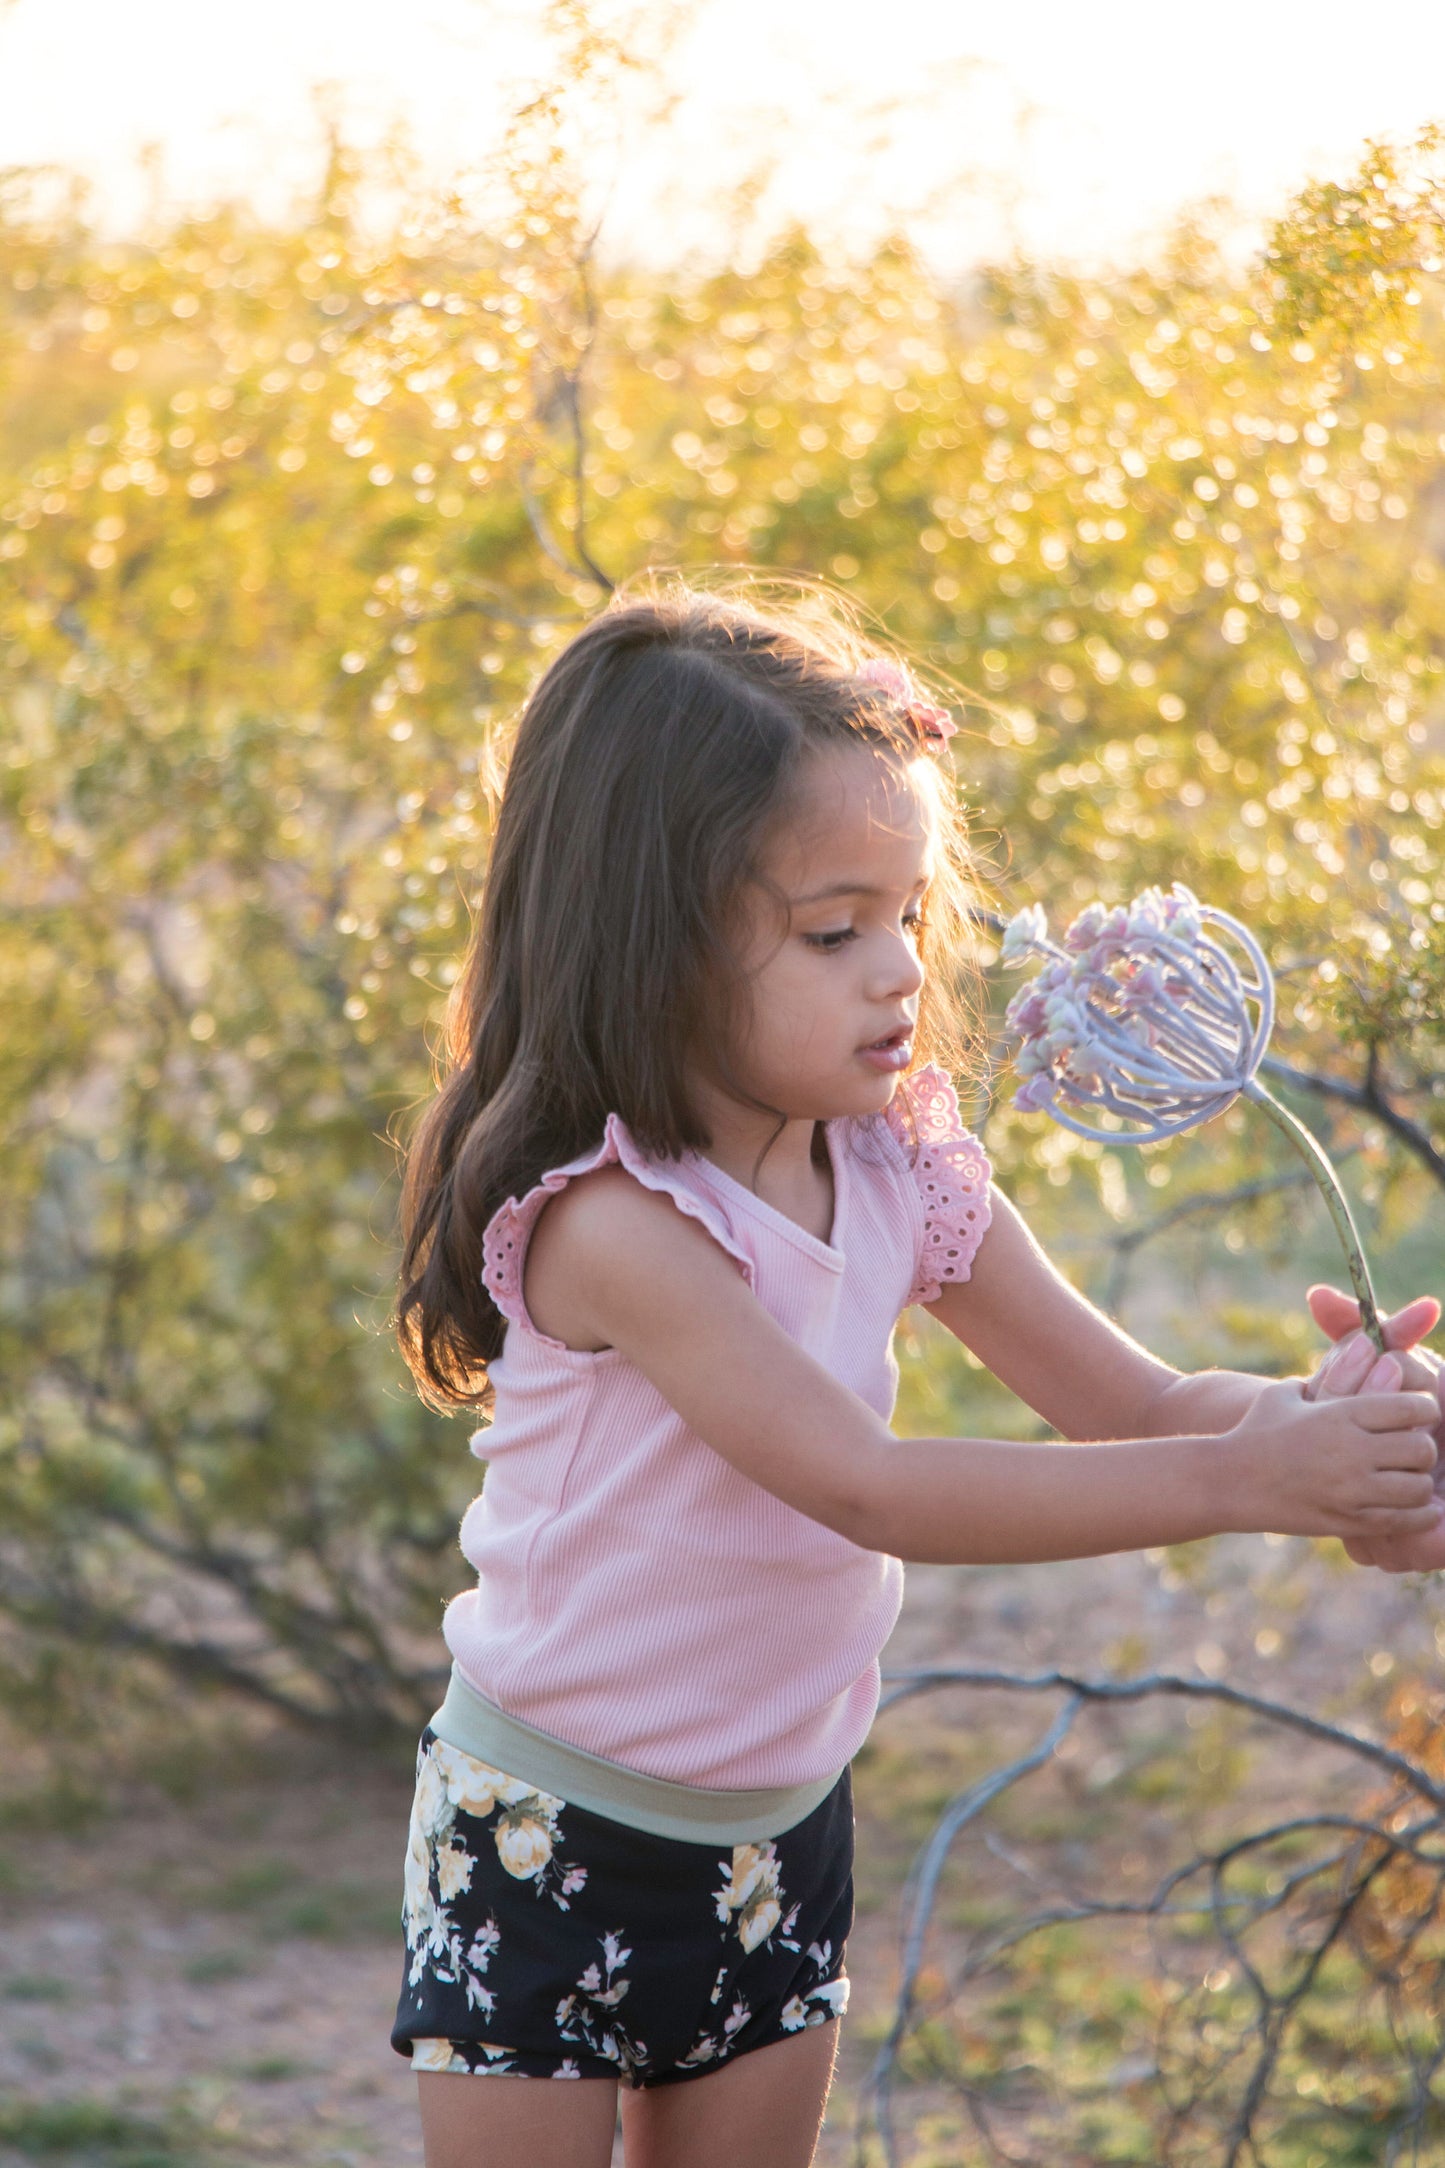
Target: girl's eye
x=830, y=942
x=913, y=920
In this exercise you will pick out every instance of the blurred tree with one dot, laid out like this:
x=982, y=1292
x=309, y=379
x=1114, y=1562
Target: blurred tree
x=289, y=518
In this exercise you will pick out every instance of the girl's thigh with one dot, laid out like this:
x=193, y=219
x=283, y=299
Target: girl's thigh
x=504, y=2121
x=764, y=2109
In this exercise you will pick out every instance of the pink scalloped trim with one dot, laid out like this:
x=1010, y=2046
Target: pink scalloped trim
x=952, y=1172
x=504, y=1241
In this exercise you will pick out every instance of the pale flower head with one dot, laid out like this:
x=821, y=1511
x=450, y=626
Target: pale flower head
x=1023, y=930
x=1141, y=1012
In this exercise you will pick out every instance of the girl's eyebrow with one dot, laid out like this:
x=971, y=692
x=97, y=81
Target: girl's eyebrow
x=838, y=888
x=848, y=888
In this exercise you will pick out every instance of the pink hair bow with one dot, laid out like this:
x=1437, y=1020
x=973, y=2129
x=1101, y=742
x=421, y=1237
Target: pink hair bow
x=934, y=724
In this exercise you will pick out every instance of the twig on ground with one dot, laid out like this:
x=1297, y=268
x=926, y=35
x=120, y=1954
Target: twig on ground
x=1213, y=2079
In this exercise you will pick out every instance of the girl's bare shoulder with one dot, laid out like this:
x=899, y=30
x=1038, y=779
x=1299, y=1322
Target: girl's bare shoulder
x=606, y=1229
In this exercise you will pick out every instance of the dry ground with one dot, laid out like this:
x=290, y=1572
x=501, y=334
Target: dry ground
x=210, y=1979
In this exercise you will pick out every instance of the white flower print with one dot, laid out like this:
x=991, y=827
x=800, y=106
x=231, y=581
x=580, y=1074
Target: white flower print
x=707, y=2047
x=416, y=1886
x=588, y=2013
x=829, y=1999
x=432, y=1810
x=440, y=1867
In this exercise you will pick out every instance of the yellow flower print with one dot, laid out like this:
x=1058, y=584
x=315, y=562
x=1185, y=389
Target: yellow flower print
x=751, y=1864
x=756, y=1921
x=437, y=2055
x=441, y=2055
x=752, y=1898
x=524, y=1842
x=454, y=1870
x=474, y=1786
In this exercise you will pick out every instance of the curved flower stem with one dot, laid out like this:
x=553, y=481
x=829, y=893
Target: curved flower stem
x=1334, y=1197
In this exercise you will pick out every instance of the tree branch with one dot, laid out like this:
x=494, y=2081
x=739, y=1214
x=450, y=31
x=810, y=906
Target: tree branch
x=1369, y=1098
x=1225, y=2078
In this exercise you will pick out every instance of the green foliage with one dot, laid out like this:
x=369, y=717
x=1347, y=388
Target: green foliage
x=96, y=2131
x=1352, y=257
x=289, y=518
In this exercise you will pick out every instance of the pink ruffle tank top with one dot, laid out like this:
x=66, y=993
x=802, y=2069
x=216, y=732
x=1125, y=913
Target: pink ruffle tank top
x=638, y=1597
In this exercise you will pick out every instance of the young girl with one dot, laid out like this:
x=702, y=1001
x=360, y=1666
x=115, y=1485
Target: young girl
x=695, y=1154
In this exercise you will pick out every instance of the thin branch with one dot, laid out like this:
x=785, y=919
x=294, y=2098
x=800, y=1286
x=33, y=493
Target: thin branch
x=907, y=1684
x=1299, y=1905
x=1370, y=1098
x=926, y=1875
x=1126, y=1241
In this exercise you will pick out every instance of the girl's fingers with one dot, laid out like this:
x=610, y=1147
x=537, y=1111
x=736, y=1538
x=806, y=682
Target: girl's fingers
x=1409, y=1458
x=1338, y=1316
x=1412, y=1323
x=1334, y=1313
x=1396, y=1411
x=1404, y=1487
x=1377, y=1521
x=1347, y=1365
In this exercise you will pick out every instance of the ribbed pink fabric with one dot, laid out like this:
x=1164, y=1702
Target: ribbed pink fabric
x=637, y=1596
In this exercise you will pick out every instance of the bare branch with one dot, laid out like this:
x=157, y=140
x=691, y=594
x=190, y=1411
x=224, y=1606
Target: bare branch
x=1213, y=2074
x=1370, y=1098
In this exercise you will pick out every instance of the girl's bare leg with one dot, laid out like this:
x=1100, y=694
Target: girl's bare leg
x=501, y=2121
x=765, y=2109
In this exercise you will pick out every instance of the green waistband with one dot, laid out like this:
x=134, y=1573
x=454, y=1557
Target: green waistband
x=476, y=1726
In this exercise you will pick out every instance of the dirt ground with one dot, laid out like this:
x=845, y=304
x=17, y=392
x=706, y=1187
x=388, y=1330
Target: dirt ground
x=212, y=1979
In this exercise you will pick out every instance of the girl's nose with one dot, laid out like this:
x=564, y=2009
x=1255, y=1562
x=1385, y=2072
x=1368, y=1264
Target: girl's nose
x=903, y=975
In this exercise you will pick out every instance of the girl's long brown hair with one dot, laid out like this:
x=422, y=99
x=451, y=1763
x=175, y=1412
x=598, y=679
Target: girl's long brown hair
x=650, y=760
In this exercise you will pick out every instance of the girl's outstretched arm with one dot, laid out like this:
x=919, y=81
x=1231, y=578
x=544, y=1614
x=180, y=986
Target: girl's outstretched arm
x=614, y=1265
x=1073, y=1365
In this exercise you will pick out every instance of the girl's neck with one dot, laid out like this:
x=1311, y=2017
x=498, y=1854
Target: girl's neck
x=796, y=1175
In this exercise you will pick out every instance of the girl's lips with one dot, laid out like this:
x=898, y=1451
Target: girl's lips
x=893, y=1052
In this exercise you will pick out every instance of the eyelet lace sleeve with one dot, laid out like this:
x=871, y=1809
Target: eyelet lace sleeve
x=507, y=1233
x=952, y=1173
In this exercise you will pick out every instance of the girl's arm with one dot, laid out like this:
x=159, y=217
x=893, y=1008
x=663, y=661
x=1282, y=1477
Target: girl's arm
x=614, y=1265
x=1069, y=1362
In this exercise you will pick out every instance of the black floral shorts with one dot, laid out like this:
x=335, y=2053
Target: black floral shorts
x=557, y=1943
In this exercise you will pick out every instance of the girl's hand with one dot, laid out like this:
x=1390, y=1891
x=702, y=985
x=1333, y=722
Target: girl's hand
x=1341, y=1465
x=1351, y=1367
